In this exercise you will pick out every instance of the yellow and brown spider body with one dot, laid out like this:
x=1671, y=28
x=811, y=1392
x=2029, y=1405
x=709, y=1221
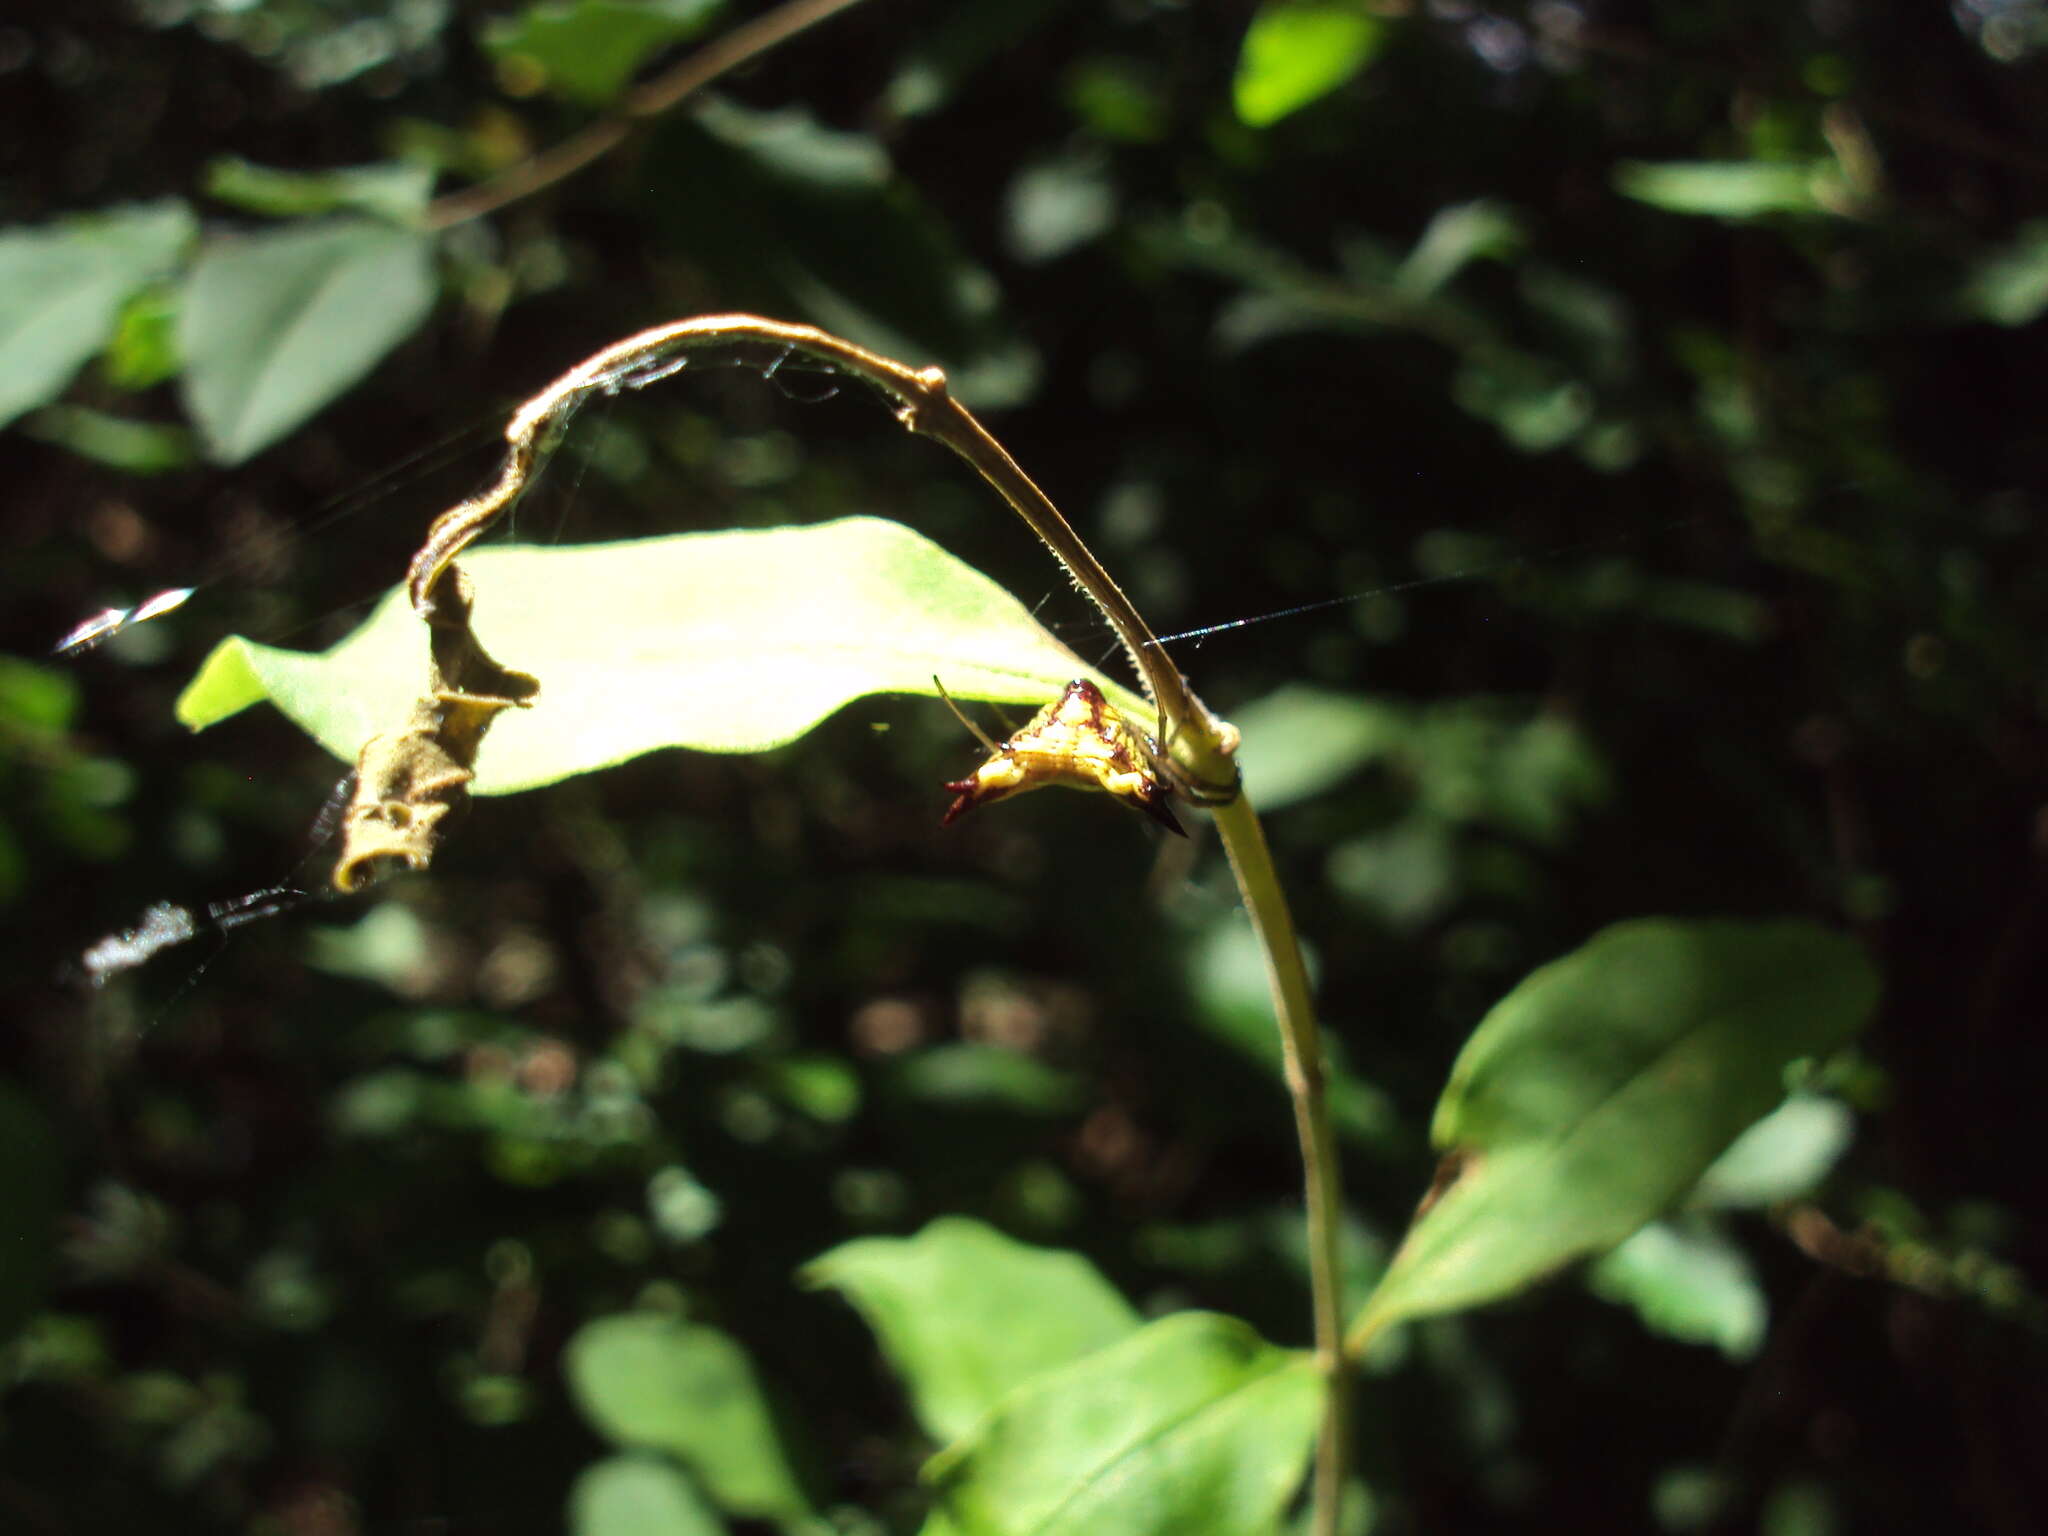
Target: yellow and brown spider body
x=1078, y=740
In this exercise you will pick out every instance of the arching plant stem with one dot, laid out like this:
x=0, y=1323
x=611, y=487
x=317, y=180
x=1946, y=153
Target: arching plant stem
x=1195, y=749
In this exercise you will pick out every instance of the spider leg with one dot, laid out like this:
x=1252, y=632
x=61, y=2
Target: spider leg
x=958, y=714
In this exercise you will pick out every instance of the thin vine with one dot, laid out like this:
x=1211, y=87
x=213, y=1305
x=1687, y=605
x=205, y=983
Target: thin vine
x=595, y=140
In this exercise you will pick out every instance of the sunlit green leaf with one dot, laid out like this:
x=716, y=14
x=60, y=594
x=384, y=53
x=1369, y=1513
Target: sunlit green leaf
x=654, y=1383
x=1689, y=1282
x=1599, y=1090
x=62, y=287
x=1192, y=1424
x=395, y=192
x=589, y=50
x=276, y=325
x=1299, y=51
x=965, y=1314
x=723, y=642
x=637, y=1495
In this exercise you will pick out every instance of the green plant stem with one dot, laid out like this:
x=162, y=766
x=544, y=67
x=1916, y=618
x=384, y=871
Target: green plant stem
x=1258, y=882
x=1196, y=748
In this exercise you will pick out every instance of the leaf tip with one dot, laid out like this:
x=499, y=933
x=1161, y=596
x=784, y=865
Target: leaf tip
x=225, y=684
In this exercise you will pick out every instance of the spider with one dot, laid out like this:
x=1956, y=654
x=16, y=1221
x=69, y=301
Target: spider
x=1078, y=740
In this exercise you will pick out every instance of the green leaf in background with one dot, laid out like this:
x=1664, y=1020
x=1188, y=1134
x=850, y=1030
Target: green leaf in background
x=1233, y=1000
x=2010, y=286
x=983, y=1079
x=1192, y=1424
x=134, y=447
x=589, y=50
x=954, y=43
x=276, y=325
x=1689, y=1282
x=638, y=1495
x=28, y=1206
x=1456, y=236
x=62, y=288
x=1300, y=741
x=1473, y=760
x=1122, y=99
x=1726, y=189
x=1782, y=1157
x=1056, y=205
x=1600, y=1089
x=654, y=1383
x=37, y=704
x=723, y=642
x=1533, y=402
x=966, y=1314
x=396, y=192
x=796, y=218
x=1298, y=51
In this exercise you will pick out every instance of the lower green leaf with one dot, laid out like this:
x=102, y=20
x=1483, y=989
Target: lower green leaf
x=1596, y=1093
x=1193, y=1424
x=638, y=1496
x=1689, y=1282
x=656, y=1383
x=965, y=1314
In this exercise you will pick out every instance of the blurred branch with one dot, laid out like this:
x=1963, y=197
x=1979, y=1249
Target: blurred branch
x=641, y=104
x=1933, y=126
x=1871, y=1253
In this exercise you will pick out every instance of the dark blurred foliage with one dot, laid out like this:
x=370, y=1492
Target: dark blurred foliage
x=1717, y=543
